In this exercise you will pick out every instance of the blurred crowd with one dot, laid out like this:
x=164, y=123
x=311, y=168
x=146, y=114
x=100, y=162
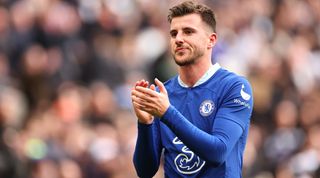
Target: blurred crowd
x=67, y=68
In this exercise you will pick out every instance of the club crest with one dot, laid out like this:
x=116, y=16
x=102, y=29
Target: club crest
x=206, y=108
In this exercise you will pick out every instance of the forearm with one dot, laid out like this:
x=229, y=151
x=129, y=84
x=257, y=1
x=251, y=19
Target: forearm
x=218, y=143
x=147, y=151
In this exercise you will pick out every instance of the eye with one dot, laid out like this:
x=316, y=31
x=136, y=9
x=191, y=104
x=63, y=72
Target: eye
x=188, y=32
x=173, y=34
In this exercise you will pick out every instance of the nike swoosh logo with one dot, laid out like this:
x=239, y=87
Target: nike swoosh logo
x=244, y=95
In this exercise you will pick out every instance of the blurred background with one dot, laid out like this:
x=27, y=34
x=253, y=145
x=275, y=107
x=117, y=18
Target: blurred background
x=67, y=68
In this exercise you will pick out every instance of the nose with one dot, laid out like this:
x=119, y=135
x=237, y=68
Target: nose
x=179, y=39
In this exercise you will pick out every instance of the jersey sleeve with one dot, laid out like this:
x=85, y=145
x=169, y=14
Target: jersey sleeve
x=232, y=116
x=147, y=152
x=237, y=103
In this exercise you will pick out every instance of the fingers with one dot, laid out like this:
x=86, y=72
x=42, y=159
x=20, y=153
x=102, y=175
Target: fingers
x=139, y=84
x=162, y=88
x=149, y=91
x=146, y=98
x=141, y=103
x=137, y=105
x=141, y=95
x=145, y=92
x=153, y=87
x=142, y=83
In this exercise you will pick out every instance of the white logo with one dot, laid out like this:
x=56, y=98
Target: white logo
x=242, y=103
x=244, y=95
x=206, y=108
x=187, y=162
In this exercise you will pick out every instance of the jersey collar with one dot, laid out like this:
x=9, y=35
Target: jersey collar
x=211, y=71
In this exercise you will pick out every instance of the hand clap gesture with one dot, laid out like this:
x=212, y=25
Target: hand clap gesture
x=147, y=102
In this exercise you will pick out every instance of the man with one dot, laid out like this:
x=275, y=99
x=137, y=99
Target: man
x=200, y=118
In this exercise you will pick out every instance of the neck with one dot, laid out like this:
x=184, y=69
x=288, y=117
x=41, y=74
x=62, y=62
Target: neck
x=190, y=74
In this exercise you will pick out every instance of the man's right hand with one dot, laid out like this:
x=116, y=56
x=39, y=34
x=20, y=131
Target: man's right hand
x=143, y=117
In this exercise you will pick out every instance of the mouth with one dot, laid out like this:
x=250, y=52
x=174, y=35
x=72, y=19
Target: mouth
x=179, y=49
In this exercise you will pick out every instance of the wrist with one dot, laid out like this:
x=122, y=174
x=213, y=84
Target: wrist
x=168, y=110
x=146, y=122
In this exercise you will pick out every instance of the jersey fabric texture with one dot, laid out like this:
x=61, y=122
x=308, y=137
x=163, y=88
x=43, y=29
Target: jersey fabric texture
x=202, y=134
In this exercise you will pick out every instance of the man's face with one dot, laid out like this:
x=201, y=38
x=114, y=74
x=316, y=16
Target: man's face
x=190, y=38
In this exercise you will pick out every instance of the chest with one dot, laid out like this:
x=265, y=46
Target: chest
x=198, y=106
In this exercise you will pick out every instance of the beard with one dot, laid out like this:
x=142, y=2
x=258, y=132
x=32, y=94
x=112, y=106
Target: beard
x=188, y=60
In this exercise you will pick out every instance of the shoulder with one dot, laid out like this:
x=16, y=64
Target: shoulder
x=234, y=87
x=229, y=80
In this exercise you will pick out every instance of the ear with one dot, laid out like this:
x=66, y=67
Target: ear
x=212, y=40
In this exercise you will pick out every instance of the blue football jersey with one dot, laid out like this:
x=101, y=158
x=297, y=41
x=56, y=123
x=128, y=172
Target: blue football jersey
x=204, y=131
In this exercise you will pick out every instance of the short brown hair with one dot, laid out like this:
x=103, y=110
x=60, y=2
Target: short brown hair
x=190, y=7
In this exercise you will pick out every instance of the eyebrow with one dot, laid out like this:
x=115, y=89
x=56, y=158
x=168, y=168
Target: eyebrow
x=173, y=30
x=185, y=28
x=189, y=28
